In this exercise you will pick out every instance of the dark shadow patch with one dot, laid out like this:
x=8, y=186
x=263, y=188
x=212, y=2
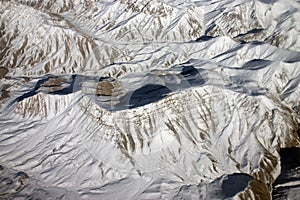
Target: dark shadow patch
x=189, y=71
x=256, y=64
x=229, y=51
x=235, y=183
x=253, y=31
x=257, y=43
x=73, y=86
x=293, y=59
x=268, y=1
x=34, y=90
x=147, y=94
x=192, y=75
x=290, y=163
x=204, y=38
x=224, y=187
x=290, y=159
x=210, y=28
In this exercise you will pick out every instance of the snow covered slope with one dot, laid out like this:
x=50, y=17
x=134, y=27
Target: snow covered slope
x=149, y=99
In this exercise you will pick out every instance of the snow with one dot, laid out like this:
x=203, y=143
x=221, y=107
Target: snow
x=147, y=100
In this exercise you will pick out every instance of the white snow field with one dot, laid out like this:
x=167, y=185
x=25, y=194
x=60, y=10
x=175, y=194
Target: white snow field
x=141, y=99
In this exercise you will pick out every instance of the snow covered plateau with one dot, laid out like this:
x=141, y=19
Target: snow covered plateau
x=141, y=99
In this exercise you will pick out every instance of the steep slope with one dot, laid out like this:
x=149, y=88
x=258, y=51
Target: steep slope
x=147, y=99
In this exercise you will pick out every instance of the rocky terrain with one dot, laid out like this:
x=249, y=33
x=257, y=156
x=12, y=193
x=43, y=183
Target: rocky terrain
x=149, y=99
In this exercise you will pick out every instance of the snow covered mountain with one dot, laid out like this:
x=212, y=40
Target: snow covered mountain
x=149, y=99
